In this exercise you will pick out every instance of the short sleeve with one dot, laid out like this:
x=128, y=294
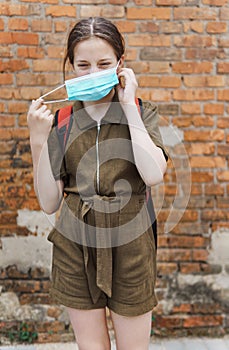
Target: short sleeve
x=150, y=119
x=56, y=156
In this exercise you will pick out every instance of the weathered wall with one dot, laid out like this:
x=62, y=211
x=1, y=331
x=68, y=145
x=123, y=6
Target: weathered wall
x=180, y=52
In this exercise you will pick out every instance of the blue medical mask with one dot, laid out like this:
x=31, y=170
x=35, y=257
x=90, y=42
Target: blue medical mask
x=90, y=87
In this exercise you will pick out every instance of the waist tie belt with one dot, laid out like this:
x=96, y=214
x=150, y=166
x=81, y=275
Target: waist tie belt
x=103, y=235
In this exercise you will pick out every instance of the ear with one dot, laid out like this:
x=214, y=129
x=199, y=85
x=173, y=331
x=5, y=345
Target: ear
x=121, y=62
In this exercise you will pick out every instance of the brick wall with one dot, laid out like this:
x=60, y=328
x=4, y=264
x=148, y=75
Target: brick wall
x=180, y=53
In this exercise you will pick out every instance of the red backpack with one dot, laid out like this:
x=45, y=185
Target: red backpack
x=63, y=122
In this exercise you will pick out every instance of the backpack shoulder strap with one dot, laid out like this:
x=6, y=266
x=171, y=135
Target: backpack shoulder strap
x=138, y=102
x=63, y=124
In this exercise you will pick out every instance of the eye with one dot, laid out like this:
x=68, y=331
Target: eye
x=104, y=64
x=82, y=65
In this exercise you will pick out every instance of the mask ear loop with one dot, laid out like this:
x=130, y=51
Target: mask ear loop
x=50, y=92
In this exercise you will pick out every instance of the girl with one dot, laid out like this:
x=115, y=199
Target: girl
x=103, y=245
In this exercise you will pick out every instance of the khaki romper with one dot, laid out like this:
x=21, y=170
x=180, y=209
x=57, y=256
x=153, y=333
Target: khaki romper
x=103, y=245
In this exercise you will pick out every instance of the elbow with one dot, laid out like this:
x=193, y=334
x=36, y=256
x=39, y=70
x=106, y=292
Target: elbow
x=50, y=208
x=156, y=177
x=49, y=211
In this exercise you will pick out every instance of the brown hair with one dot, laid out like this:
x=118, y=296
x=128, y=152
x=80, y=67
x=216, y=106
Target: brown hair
x=94, y=26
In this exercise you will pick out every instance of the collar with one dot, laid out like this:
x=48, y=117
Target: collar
x=114, y=114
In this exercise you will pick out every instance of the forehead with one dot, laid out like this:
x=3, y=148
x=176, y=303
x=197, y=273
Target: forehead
x=93, y=49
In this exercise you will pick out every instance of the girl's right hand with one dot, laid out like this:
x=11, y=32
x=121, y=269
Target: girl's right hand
x=40, y=120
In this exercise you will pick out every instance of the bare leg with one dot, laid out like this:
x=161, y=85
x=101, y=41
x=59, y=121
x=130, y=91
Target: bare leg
x=90, y=329
x=132, y=332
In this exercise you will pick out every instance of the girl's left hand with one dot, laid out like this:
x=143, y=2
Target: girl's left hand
x=127, y=91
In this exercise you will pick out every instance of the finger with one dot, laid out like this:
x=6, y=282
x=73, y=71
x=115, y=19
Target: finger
x=42, y=109
x=122, y=81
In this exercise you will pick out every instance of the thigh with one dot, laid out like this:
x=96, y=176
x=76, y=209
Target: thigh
x=90, y=328
x=132, y=332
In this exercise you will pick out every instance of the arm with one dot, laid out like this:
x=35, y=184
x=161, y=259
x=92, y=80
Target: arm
x=149, y=158
x=48, y=190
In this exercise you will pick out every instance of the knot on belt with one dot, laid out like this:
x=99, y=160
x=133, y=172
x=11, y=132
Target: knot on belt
x=103, y=208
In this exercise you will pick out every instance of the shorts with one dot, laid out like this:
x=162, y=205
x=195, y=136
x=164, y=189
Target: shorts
x=133, y=276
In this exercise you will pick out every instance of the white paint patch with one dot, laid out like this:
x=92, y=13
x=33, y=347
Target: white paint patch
x=25, y=252
x=35, y=221
x=219, y=252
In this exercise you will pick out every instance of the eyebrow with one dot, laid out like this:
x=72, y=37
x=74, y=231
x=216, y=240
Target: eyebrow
x=101, y=60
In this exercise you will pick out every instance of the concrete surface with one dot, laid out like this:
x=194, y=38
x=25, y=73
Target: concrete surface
x=165, y=344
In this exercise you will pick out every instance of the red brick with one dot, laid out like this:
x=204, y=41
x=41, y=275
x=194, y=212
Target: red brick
x=47, y=65
x=1, y=24
x=195, y=13
x=200, y=81
x=201, y=148
x=18, y=24
x=223, y=42
x=223, y=175
x=17, y=134
x=203, y=121
x=126, y=26
x=148, y=40
x=200, y=255
x=160, y=95
x=30, y=52
x=143, y=2
x=223, y=95
x=195, y=26
x=13, y=65
x=169, y=322
x=19, y=38
x=60, y=26
x=216, y=27
x=182, y=308
x=108, y=12
x=38, y=79
x=12, y=10
x=192, y=67
x=193, y=41
x=167, y=82
x=131, y=54
x=214, y=108
x=148, y=27
x=7, y=121
x=189, y=95
x=168, y=2
x=223, y=67
x=207, y=162
x=187, y=108
x=190, y=268
x=39, y=25
x=224, y=13
x=60, y=11
x=203, y=321
x=148, y=13
x=5, y=51
x=213, y=189
x=215, y=2
x=182, y=242
x=213, y=215
x=6, y=79
x=166, y=268
x=55, y=52
x=205, y=54
x=118, y=2
x=223, y=150
x=17, y=107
